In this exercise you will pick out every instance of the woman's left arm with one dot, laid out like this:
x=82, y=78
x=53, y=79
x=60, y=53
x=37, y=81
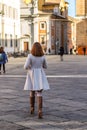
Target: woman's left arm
x=27, y=64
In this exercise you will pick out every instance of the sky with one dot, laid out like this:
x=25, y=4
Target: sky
x=71, y=10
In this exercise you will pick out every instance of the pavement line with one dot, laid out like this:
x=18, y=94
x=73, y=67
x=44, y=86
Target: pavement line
x=48, y=76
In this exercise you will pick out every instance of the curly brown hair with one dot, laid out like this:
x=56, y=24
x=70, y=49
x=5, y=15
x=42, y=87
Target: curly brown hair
x=37, y=50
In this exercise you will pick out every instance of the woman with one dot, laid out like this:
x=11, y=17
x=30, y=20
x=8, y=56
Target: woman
x=36, y=80
x=3, y=59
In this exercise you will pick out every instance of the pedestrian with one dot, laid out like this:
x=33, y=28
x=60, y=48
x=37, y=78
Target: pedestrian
x=49, y=50
x=61, y=53
x=3, y=59
x=36, y=80
x=84, y=50
x=71, y=51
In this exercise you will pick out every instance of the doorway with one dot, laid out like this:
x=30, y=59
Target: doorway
x=26, y=46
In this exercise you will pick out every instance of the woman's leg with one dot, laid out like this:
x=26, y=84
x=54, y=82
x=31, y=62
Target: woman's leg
x=61, y=57
x=3, y=68
x=32, y=101
x=0, y=68
x=40, y=102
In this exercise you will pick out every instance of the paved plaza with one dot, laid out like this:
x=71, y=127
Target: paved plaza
x=64, y=105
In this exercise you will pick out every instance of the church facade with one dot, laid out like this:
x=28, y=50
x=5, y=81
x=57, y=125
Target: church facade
x=48, y=25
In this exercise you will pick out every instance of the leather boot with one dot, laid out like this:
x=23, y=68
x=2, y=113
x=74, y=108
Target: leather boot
x=32, y=102
x=40, y=107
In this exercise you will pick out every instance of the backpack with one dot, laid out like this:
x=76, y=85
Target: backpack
x=1, y=57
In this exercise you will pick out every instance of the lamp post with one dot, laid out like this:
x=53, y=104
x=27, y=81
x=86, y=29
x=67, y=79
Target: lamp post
x=64, y=12
x=32, y=4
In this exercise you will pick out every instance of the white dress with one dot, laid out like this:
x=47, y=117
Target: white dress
x=36, y=78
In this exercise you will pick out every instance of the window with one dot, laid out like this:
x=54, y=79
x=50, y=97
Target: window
x=42, y=40
x=11, y=44
x=16, y=42
x=15, y=13
x=5, y=10
x=43, y=25
x=7, y=13
x=5, y=40
x=9, y=9
x=11, y=12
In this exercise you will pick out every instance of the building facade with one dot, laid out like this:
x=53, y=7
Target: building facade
x=81, y=27
x=81, y=8
x=56, y=25
x=46, y=23
x=10, y=25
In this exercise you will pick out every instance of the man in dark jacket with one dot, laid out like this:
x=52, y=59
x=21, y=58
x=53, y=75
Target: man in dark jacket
x=61, y=53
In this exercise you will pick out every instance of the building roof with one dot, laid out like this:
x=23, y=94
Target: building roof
x=53, y=16
x=72, y=19
x=52, y=1
x=48, y=4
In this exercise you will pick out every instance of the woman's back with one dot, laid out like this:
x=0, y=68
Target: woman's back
x=35, y=62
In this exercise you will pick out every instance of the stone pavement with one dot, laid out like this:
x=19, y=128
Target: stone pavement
x=64, y=105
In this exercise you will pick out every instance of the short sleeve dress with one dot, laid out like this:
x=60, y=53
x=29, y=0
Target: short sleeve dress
x=36, y=78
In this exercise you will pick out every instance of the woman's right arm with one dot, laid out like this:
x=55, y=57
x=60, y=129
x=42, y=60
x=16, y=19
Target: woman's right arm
x=45, y=63
x=27, y=64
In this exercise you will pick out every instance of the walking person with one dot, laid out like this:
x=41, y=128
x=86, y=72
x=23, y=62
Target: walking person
x=84, y=50
x=3, y=59
x=36, y=80
x=49, y=51
x=61, y=53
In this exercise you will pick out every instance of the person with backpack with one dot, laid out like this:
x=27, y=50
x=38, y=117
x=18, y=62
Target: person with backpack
x=3, y=59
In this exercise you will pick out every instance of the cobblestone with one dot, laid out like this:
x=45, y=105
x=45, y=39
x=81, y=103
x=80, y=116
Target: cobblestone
x=64, y=105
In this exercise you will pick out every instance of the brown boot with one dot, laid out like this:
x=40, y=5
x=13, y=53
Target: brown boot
x=32, y=102
x=40, y=107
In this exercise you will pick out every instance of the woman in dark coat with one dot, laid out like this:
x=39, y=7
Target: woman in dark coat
x=3, y=59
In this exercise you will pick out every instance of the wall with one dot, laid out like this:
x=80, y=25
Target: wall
x=10, y=24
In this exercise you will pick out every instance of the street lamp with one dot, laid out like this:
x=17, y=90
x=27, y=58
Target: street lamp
x=64, y=12
x=31, y=16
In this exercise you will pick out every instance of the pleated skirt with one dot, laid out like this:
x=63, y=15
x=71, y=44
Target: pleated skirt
x=36, y=80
